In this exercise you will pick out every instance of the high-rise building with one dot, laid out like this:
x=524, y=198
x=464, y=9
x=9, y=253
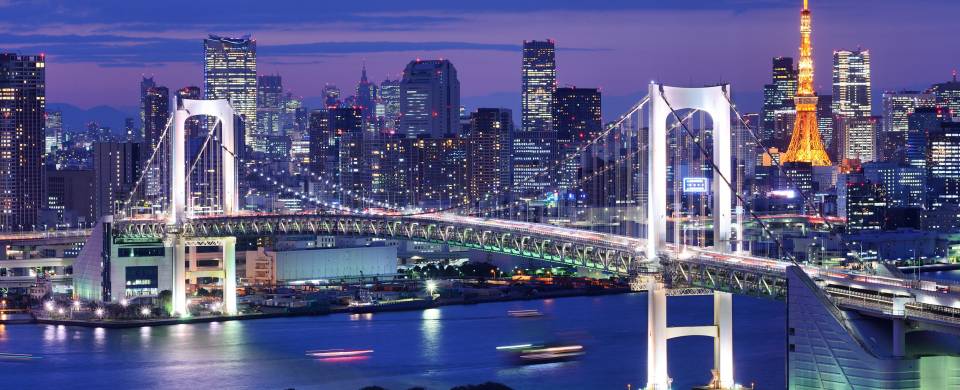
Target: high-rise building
x=53, y=125
x=156, y=111
x=826, y=124
x=778, y=100
x=859, y=138
x=866, y=206
x=577, y=120
x=145, y=84
x=897, y=107
x=390, y=99
x=535, y=142
x=269, y=105
x=429, y=99
x=230, y=72
x=22, y=109
x=346, y=127
x=852, y=94
x=539, y=77
x=320, y=141
x=488, y=157
x=439, y=176
x=806, y=145
x=129, y=130
x=331, y=96
x=948, y=94
x=943, y=178
x=71, y=196
x=903, y=185
x=366, y=96
x=921, y=122
x=117, y=166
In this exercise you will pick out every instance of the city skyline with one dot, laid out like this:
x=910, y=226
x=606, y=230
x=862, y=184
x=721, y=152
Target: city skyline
x=112, y=55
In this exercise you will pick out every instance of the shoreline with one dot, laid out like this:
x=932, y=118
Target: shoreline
x=406, y=306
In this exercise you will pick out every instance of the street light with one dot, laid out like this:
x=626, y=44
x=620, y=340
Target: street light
x=99, y=312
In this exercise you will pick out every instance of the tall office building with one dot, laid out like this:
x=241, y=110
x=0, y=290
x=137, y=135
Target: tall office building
x=53, y=125
x=331, y=96
x=366, y=96
x=852, y=94
x=488, y=157
x=156, y=111
x=948, y=94
x=539, y=79
x=577, y=120
x=117, y=166
x=22, y=108
x=778, y=101
x=826, y=124
x=859, y=138
x=534, y=143
x=439, y=176
x=349, y=144
x=943, y=178
x=429, y=99
x=920, y=123
x=806, y=145
x=897, y=108
x=230, y=72
x=390, y=99
x=866, y=206
x=145, y=84
x=269, y=105
x=320, y=140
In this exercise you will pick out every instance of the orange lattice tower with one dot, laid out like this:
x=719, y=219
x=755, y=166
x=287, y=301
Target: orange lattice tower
x=805, y=144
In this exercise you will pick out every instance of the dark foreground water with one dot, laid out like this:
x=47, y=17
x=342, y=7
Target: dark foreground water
x=435, y=348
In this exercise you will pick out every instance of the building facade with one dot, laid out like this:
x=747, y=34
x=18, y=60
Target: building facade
x=230, y=72
x=429, y=99
x=22, y=112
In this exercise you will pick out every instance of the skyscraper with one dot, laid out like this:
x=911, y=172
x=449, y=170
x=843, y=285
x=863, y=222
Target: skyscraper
x=22, y=108
x=366, y=96
x=230, y=72
x=778, y=101
x=390, y=99
x=577, y=120
x=534, y=145
x=489, y=153
x=54, y=131
x=269, y=104
x=852, y=94
x=156, y=111
x=948, y=94
x=117, y=167
x=145, y=84
x=806, y=146
x=859, y=137
x=429, y=99
x=826, y=124
x=943, y=178
x=539, y=79
x=897, y=107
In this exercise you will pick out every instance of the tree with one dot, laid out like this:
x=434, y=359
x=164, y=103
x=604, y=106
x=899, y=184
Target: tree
x=166, y=302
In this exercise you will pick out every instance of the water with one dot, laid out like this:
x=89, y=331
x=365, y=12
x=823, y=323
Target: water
x=435, y=348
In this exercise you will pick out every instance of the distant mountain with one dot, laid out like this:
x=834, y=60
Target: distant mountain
x=75, y=119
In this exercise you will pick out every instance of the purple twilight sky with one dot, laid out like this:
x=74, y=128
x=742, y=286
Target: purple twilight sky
x=97, y=50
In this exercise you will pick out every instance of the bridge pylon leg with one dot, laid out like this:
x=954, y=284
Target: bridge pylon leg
x=177, y=253
x=723, y=343
x=657, y=376
x=230, y=275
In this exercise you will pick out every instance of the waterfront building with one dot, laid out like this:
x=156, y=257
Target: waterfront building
x=22, y=109
x=429, y=99
x=230, y=72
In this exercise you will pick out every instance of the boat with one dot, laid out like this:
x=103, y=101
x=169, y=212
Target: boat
x=339, y=353
x=527, y=313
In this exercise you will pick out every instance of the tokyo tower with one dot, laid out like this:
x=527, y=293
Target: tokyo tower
x=806, y=144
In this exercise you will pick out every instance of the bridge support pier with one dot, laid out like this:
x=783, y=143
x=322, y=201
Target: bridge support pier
x=176, y=247
x=658, y=333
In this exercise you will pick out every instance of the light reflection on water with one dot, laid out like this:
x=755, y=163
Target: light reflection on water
x=434, y=348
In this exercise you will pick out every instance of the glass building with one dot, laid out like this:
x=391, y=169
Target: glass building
x=852, y=94
x=22, y=109
x=429, y=99
x=778, y=101
x=534, y=145
x=230, y=72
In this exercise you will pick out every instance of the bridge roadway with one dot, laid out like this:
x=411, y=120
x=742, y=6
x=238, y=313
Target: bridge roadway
x=686, y=267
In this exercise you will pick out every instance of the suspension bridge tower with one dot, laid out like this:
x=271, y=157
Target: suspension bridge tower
x=806, y=145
